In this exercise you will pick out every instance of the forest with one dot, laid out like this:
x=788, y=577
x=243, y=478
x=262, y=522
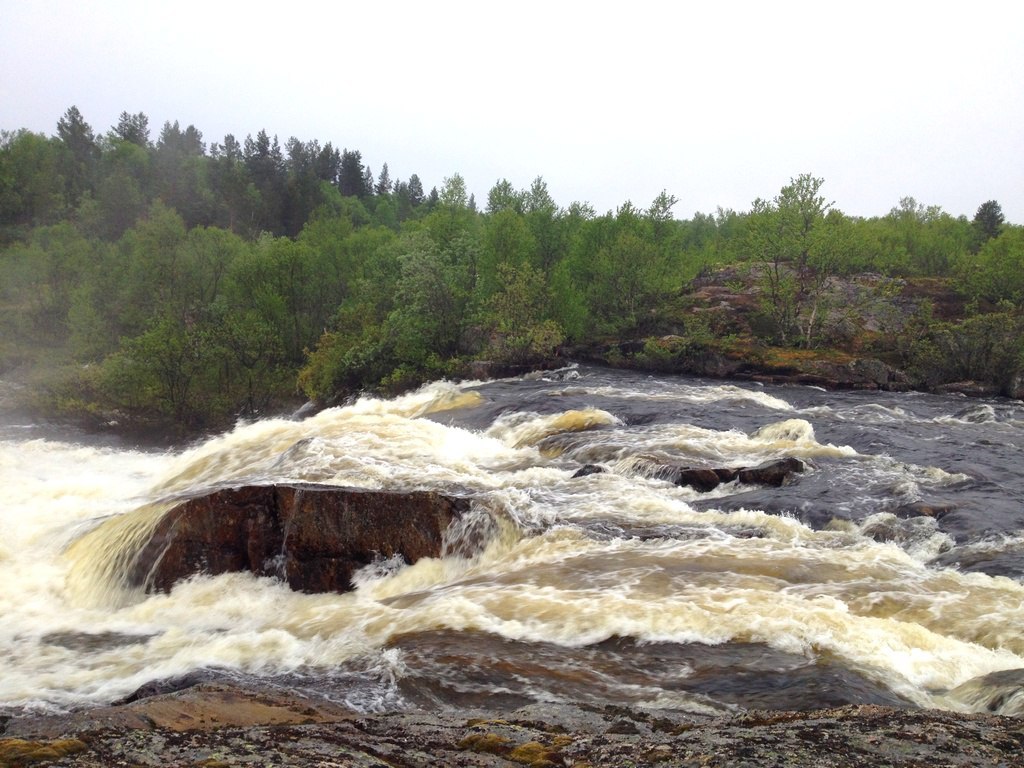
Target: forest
x=187, y=285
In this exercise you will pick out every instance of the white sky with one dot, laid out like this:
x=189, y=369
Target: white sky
x=716, y=102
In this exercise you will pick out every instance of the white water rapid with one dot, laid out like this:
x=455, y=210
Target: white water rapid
x=575, y=562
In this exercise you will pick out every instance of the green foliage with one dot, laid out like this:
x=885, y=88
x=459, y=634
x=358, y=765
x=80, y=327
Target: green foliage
x=341, y=364
x=203, y=372
x=31, y=185
x=504, y=197
x=678, y=352
x=79, y=157
x=615, y=275
x=279, y=280
x=431, y=302
x=923, y=239
x=996, y=273
x=402, y=322
x=158, y=371
x=133, y=129
x=987, y=348
x=91, y=336
x=987, y=224
x=507, y=239
x=352, y=181
x=799, y=244
x=521, y=329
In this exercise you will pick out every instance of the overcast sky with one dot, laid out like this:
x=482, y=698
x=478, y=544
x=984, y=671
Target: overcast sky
x=718, y=102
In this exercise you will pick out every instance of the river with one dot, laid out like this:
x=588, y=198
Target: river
x=613, y=587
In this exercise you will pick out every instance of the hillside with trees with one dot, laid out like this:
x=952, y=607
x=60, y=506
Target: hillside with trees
x=182, y=285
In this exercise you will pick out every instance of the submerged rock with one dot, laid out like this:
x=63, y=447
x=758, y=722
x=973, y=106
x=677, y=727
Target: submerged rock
x=1000, y=693
x=314, y=537
x=588, y=469
x=936, y=509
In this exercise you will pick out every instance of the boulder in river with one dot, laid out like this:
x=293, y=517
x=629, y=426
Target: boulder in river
x=776, y=472
x=314, y=537
x=701, y=479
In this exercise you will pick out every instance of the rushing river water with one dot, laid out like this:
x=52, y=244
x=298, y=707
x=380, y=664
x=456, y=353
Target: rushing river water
x=613, y=587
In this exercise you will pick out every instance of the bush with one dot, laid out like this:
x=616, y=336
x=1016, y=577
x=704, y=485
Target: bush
x=986, y=348
x=672, y=353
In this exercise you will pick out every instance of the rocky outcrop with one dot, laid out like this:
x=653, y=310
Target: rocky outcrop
x=313, y=537
x=860, y=373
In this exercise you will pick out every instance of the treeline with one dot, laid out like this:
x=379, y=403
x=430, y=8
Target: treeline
x=192, y=285
x=106, y=183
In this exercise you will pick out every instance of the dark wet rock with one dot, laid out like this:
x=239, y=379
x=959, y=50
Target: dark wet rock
x=93, y=641
x=606, y=531
x=775, y=473
x=726, y=475
x=979, y=413
x=1001, y=693
x=811, y=686
x=858, y=373
x=698, y=478
x=589, y=469
x=313, y=537
x=1006, y=560
x=304, y=411
x=906, y=532
x=638, y=419
x=936, y=509
x=968, y=388
x=861, y=373
x=490, y=369
x=457, y=669
x=171, y=685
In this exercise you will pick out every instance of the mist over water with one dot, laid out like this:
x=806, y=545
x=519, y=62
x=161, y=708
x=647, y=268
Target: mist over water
x=891, y=571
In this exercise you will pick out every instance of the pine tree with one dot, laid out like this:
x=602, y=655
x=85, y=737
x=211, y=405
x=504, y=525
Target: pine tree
x=132, y=128
x=78, y=164
x=383, y=181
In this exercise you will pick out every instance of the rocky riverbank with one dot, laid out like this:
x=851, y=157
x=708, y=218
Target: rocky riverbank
x=227, y=724
x=869, y=337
